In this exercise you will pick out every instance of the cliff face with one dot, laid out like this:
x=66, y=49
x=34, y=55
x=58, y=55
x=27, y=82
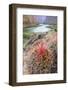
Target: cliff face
x=29, y=20
x=33, y=20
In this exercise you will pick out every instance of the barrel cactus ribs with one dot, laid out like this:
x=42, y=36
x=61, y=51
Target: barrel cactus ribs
x=40, y=57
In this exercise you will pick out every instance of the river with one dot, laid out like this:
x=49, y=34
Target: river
x=40, y=28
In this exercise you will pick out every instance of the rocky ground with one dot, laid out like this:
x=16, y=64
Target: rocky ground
x=40, y=53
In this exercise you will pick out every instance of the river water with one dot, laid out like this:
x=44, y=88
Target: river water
x=41, y=28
